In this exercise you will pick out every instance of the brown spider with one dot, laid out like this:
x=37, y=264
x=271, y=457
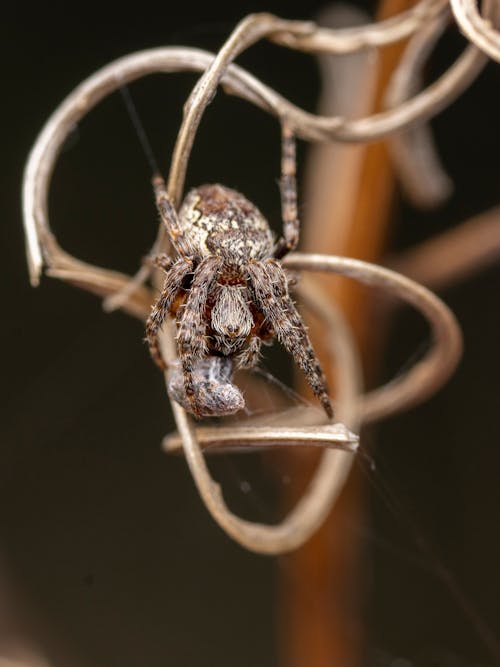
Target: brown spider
x=228, y=292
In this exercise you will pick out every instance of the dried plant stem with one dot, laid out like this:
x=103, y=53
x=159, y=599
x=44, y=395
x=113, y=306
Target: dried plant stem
x=419, y=382
x=413, y=153
x=479, y=30
x=43, y=156
x=106, y=283
x=236, y=438
x=328, y=480
x=250, y=30
x=455, y=255
x=425, y=377
x=349, y=40
x=23, y=657
x=328, y=632
x=309, y=126
x=294, y=34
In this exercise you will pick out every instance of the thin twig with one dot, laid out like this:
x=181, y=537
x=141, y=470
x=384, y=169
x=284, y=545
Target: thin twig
x=238, y=438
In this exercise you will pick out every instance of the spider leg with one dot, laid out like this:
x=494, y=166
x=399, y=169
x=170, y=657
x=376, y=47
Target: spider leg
x=191, y=337
x=173, y=282
x=288, y=189
x=168, y=214
x=162, y=261
x=270, y=289
x=249, y=357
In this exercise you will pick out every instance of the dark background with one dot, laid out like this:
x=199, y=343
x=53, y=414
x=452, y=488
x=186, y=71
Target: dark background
x=110, y=555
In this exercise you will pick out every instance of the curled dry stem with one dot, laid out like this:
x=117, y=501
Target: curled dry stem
x=428, y=374
x=412, y=151
x=481, y=31
x=333, y=468
x=425, y=377
x=349, y=40
x=309, y=126
x=41, y=245
x=420, y=382
x=237, y=81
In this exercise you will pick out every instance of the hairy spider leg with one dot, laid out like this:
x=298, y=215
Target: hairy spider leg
x=162, y=261
x=288, y=190
x=159, y=312
x=168, y=214
x=249, y=357
x=269, y=284
x=191, y=337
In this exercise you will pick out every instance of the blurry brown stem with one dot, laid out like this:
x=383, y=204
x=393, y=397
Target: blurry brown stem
x=455, y=255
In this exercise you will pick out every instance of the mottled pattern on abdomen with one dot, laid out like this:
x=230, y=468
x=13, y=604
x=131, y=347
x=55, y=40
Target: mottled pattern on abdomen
x=219, y=221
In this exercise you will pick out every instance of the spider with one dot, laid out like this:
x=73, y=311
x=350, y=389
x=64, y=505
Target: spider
x=228, y=292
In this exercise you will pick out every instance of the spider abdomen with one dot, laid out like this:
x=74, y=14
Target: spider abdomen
x=220, y=221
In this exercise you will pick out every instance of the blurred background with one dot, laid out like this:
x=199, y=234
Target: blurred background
x=107, y=555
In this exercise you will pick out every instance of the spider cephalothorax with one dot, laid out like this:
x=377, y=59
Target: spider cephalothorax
x=228, y=293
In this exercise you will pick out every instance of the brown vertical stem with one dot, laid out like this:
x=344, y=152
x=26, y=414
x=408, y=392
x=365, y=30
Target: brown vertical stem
x=349, y=197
